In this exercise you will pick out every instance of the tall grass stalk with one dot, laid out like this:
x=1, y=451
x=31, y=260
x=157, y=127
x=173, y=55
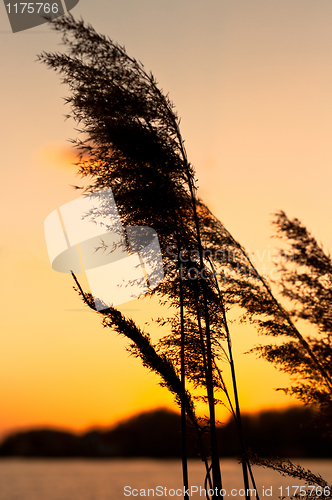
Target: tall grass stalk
x=134, y=146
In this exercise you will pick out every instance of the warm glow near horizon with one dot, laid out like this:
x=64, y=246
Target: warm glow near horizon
x=252, y=84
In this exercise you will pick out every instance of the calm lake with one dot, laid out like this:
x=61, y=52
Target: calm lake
x=114, y=479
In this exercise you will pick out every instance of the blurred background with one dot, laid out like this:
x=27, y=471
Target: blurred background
x=251, y=81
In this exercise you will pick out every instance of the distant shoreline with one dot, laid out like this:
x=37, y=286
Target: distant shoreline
x=155, y=434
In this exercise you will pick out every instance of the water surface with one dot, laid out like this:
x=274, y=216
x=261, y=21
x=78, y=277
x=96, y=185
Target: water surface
x=107, y=479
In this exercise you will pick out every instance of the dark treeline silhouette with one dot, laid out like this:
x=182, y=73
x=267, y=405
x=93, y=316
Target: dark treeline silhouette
x=288, y=433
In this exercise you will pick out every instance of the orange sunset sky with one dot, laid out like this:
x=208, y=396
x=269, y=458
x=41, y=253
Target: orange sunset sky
x=252, y=82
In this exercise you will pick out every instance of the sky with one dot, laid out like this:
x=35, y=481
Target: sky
x=251, y=81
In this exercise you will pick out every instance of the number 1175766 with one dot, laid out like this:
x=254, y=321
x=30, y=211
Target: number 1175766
x=315, y=491
x=31, y=8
